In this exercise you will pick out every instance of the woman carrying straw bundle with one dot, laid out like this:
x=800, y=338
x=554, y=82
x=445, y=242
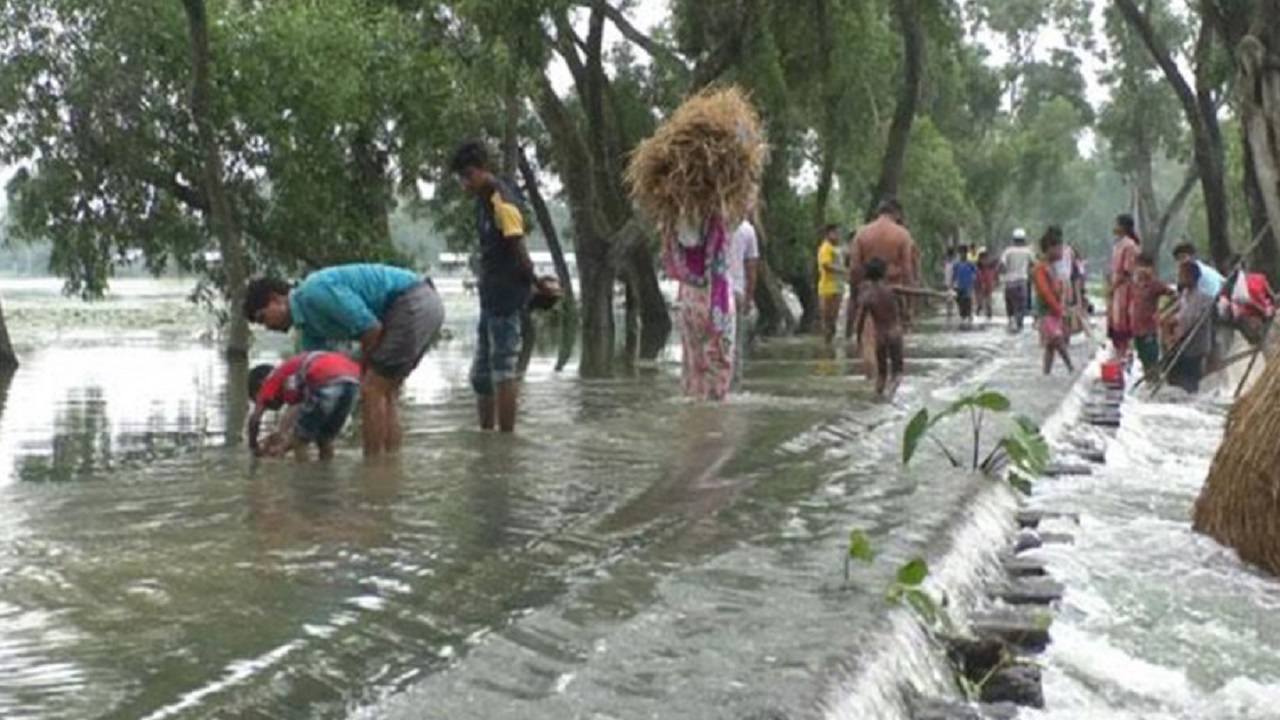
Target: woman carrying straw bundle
x=698, y=176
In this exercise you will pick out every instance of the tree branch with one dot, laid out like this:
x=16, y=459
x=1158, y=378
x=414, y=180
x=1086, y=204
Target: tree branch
x=655, y=49
x=1160, y=53
x=1175, y=206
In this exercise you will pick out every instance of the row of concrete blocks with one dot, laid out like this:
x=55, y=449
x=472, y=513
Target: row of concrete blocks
x=995, y=656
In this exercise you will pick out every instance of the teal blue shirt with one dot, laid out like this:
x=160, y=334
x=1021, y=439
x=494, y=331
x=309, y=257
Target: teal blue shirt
x=341, y=303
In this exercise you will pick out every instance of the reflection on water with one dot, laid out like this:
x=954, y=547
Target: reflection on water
x=626, y=552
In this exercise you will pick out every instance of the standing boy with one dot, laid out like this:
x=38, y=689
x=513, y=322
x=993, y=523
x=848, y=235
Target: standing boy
x=881, y=304
x=394, y=313
x=1144, y=313
x=829, y=283
x=506, y=284
x=1051, y=306
x=320, y=388
x=964, y=280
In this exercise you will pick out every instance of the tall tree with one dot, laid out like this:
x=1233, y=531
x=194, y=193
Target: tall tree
x=221, y=216
x=1200, y=104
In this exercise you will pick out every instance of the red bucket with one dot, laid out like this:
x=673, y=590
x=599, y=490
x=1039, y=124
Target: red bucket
x=1113, y=373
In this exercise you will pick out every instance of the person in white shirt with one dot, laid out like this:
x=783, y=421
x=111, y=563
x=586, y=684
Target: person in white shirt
x=744, y=266
x=1015, y=266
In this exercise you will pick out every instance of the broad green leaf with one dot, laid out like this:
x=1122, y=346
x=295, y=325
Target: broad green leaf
x=992, y=400
x=915, y=431
x=913, y=573
x=860, y=547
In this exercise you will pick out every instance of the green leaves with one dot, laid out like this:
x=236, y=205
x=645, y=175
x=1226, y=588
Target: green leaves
x=913, y=573
x=860, y=547
x=915, y=432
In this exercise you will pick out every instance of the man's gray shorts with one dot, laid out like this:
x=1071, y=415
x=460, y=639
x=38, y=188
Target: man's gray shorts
x=410, y=325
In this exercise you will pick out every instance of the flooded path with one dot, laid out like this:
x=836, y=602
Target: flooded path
x=626, y=555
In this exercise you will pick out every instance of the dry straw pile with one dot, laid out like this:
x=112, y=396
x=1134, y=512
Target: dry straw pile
x=1239, y=505
x=708, y=157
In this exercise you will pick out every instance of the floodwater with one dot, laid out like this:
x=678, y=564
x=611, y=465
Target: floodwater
x=626, y=555
x=1159, y=623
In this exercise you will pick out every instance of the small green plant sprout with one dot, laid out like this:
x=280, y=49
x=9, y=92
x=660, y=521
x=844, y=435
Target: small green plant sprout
x=859, y=549
x=1022, y=454
x=908, y=588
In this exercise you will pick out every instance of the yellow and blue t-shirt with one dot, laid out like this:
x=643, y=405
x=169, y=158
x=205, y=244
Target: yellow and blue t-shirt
x=828, y=282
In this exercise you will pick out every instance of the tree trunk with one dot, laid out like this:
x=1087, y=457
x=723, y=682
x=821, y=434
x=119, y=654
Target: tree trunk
x=1260, y=118
x=595, y=267
x=654, y=315
x=822, y=197
x=776, y=317
x=237, y=400
x=221, y=217
x=805, y=288
x=568, y=313
x=895, y=151
x=1171, y=211
x=8, y=358
x=1201, y=112
x=596, y=275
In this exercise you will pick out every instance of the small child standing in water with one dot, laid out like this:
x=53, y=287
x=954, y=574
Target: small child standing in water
x=1050, y=301
x=881, y=303
x=320, y=389
x=964, y=279
x=1144, y=313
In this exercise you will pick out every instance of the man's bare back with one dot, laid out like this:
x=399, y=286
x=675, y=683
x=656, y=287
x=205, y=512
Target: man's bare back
x=890, y=243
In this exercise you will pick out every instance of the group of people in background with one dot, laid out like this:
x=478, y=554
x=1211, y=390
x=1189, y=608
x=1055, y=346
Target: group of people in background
x=1172, y=328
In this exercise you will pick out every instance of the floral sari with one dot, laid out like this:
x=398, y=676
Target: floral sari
x=707, y=317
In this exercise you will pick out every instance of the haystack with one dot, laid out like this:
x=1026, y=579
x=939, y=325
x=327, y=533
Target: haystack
x=707, y=158
x=1239, y=505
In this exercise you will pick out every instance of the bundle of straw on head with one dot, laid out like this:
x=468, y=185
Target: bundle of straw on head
x=707, y=158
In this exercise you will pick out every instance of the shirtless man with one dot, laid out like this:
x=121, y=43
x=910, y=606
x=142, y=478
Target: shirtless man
x=881, y=303
x=886, y=240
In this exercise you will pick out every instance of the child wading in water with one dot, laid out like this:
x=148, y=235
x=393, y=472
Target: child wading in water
x=1144, y=314
x=320, y=389
x=881, y=303
x=1050, y=296
x=964, y=280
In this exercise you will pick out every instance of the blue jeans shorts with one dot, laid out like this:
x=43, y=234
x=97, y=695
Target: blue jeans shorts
x=497, y=351
x=325, y=410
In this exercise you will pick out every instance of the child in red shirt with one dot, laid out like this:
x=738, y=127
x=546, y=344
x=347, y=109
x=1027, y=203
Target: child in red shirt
x=1144, y=312
x=320, y=389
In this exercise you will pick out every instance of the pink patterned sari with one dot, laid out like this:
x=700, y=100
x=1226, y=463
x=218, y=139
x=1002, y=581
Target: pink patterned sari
x=707, y=317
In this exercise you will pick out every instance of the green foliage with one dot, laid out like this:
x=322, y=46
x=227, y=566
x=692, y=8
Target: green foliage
x=1024, y=447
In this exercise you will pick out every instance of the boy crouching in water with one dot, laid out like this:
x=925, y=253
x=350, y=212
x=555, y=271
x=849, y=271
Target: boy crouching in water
x=320, y=389
x=881, y=303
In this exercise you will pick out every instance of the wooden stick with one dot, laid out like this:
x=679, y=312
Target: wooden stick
x=920, y=292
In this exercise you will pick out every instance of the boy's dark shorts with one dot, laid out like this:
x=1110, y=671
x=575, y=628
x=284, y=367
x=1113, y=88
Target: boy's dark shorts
x=964, y=302
x=325, y=410
x=497, y=353
x=1148, y=347
x=409, y=327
